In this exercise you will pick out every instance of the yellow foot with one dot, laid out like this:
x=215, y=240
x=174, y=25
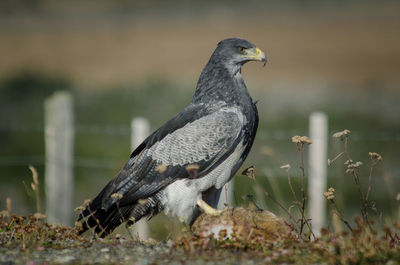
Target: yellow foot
x=208, y=209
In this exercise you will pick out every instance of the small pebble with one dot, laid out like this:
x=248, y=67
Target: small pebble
x=105, y=250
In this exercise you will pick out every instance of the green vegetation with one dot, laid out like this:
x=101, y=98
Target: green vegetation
x=367, y=240
x=102, y=140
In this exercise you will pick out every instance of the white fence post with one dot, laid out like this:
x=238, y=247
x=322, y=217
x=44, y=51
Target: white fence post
x=140, y=128
x=59, y=145
x=318, y=170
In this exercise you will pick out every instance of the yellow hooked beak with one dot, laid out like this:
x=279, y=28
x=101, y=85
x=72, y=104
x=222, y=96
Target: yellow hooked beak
x=255, y=54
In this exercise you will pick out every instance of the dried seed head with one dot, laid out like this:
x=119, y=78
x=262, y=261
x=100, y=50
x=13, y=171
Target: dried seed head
x=341, y=134
x=354, y=165
x=375, y=156
x=349, y=170
x=117, y=196
x=132, y=219
x=161, y=168
x=249, y=172
x=348, y=162
x=301, y=139
x=306, y=140
x=330, y=194
x=39, y=216
x=331, y=197
x=296, y=139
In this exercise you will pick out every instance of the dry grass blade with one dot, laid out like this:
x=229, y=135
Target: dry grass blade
x=35, y=187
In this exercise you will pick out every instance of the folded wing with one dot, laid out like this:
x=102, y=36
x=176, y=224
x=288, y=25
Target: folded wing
x=188, y=146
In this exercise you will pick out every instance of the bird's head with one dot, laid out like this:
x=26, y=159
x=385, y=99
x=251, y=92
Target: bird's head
x=222, y=74
x=236, y=52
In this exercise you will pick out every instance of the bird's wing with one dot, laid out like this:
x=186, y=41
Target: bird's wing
x=188, y=146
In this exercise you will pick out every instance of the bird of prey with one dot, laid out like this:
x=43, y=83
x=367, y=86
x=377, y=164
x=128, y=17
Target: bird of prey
x=183, y=165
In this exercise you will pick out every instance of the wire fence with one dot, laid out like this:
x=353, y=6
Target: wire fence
x=125, y=130
x=56, y=139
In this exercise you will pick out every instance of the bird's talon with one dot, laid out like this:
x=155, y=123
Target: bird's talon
x=208, y=209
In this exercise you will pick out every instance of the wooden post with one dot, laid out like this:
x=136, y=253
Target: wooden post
x=140, y=129
x=318, y=168
x=59, y=145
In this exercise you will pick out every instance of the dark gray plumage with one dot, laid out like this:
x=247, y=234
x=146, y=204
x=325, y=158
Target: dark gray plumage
x=191, y=156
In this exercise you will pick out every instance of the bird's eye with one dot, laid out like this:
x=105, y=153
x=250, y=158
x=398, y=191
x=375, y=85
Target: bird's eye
x=242, y=49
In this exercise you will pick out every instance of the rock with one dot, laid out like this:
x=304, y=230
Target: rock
x=105, y=250
x=64, y=259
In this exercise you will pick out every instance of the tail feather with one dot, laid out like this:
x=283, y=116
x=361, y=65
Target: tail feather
x=106, y=220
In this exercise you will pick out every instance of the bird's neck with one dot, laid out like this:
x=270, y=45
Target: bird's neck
x=221, y=83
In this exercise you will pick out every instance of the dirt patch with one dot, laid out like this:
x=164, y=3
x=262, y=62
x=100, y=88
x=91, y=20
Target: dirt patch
x=29, y=240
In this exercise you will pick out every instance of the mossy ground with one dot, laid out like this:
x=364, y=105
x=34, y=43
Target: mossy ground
x=30, y=240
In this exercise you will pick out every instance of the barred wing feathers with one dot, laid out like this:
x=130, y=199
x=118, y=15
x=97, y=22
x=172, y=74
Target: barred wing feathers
x=190, y=145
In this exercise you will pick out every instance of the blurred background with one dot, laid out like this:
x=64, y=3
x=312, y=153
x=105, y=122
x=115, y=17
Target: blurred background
x=122, y=59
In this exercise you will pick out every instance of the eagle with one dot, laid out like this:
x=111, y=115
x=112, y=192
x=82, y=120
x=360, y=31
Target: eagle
x=181, y=167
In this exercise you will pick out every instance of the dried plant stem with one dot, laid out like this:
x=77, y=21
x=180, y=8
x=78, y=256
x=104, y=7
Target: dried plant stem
x=362, y=200
x=344, y=152
x=352, y=168
x=303, y=193
x=280, y=206
x=119, y=211
x=345, y=148
x=286, y=211
x=35, y=187
x=291, y=187
x=340, y=215
x=97, y=221
x=12, y=236
x=38, y=209
x=358, y=184
x=365, y=206
x=272, y=198
x=369, y=180
x=298, y=203
x=335, y=158
x=277, y=203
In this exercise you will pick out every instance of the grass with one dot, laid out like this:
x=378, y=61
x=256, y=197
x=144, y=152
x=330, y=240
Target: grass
x=367, y=239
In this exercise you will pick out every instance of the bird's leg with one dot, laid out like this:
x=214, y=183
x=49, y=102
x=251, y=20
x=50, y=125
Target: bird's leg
x=129, y=227
x=207, y=208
